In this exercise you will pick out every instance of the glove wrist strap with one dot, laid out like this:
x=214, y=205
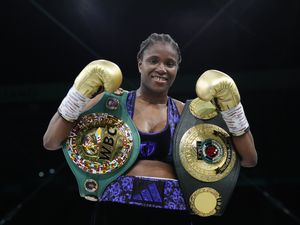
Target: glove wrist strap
x=72, y=105
x=236, y=120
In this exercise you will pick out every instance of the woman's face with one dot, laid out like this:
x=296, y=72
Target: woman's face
x=158, y=67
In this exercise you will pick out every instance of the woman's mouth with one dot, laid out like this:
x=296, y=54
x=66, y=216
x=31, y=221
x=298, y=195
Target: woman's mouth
x=160, y=79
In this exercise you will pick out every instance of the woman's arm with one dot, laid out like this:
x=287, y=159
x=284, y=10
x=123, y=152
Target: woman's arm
x=245, y=147
x=59, y=129
x=216, y=86
x=97, y=76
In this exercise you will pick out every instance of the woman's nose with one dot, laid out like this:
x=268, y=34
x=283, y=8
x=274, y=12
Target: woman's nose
x=161, y=68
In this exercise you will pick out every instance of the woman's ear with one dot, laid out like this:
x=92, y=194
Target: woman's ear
x=139, y=65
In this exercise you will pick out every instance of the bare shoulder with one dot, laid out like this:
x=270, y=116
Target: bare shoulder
x=179, y=104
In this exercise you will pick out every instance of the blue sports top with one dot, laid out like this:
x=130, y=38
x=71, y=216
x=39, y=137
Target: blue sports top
x=157, y=145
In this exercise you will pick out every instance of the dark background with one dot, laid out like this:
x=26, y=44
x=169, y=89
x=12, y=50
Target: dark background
x=45, y=44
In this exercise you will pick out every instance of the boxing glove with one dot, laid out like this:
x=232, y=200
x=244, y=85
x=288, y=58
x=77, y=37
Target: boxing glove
x=220, y=89
x=96, y=76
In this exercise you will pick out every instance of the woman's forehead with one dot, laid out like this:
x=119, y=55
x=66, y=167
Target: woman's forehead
x=161, y=48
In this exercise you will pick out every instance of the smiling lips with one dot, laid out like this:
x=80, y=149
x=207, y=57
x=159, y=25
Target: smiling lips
x=159, y=79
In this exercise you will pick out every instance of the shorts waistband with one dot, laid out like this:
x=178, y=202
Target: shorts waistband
x=145, y=191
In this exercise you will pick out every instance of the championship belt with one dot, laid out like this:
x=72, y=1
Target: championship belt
x=102, y=145
x=206, y=164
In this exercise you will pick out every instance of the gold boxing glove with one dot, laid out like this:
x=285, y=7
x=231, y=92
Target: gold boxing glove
x=97, y=75
x=220, y=89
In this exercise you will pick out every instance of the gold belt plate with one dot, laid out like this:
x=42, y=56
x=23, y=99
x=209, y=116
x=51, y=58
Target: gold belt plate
x=206, y=153
x=100, y=143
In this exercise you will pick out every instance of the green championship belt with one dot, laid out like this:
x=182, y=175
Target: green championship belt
x=103, y=144
x=206, y=164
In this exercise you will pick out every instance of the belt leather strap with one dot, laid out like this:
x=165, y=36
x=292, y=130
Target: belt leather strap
x=205, y=162
x=91, y=138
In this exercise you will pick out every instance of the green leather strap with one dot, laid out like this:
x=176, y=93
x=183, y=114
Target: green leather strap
x=114, y=105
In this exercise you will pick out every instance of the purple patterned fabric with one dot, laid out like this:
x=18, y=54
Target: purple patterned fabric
x=145, y=191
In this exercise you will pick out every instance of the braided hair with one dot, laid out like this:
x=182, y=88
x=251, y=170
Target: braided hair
x=154, y=38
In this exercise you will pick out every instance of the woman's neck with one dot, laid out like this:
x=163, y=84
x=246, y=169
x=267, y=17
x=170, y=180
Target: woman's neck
x=151, y=97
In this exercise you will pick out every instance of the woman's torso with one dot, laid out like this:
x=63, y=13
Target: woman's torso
x=156, y=125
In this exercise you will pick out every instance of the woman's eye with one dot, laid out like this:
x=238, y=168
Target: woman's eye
x=171, y=64
x=153, y=61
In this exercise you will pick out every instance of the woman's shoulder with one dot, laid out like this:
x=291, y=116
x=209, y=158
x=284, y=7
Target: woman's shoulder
x=179, y=104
